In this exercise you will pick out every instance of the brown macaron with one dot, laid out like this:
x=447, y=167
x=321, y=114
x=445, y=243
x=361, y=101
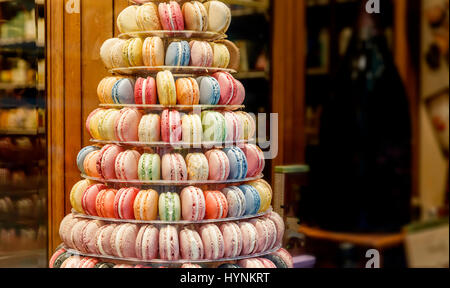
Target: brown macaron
x=235, y=55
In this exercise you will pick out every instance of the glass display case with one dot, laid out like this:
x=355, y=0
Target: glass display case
x=23, y=155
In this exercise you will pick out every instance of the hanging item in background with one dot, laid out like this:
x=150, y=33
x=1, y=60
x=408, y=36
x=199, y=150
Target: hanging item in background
x=437, y=17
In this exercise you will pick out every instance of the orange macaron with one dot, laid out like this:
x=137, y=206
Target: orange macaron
x=188, y=92
x=104, y=203
x=216, y=205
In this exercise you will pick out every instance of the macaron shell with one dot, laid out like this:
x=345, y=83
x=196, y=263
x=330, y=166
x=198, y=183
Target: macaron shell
x=171, y=16
x=146, y=205
x=124, y=202
x=94, y=119
x=221, y=55
x=192, y=129
x=107, y=123
x=149, y=129
x=202, y=54
x=228, y=87
x=178, y=54
x=169, y=207
x=117, y=59
x=219, y=165
x=216, y=205
x=193, y=205
x=126, y=165
x=169, y=248
x=235, y=55
x=234, y=128
x=238, y=163
x=65, y=229
x=76, y=195
x=104, y=203
x=174, y=168
x=251, y=264
x=255, y=160
x=197, y=167
x=277, y=260
x=126, y=21
x=153, y=52
x=147, y=17
x=123, y=240
x=105, y=52
x=165, y=84
x=252, y=199
x=106, y=161
x=265, y=192
x=219, y=16
x=236, y=201
x=88, y=236
x=188, y=92
x=195, y=16
x=239, y=98
x=279, y=223
x=76, y=235
x=286, y=256
x=209, y=90
x=147, y=242
x=191, y=245
x=267, y=263
x=249, y=238
x=71, y=262
x=232, y=238
x=213, y=242
x=128, y=124
x=88, y=202
x=149, y=167
x=103, y=240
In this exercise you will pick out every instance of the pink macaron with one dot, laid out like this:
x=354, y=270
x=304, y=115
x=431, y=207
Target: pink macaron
x=88, y=262
x=201, y=54
x=267, y=263
x=123, y=203
x=171, y=16
x=88, y=202
x=254, y=263
x=145, y=91
x=169, y=247
x=239, y=98
x=232, y=236
x=88, y=236
x=103, y=240
x=286, y=256
x=193, y=205
x=191, y=245
x=213, y=242
x=126, y=165
x=106, y=161
x=235, y=130
x=219, y=165
x=123, y=240
x=127, y=125
x=279, y=223
x=65, y=229
x=76, y=235
x=171, y=127
x=255, y=160
x=173, y=167
x=267, y=234
x=249, y=238
x=147, y=242
x=71, y=262
x=228, y=87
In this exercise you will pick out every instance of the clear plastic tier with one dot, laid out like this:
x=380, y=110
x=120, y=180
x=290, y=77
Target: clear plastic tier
x=174, y=262
x=182, y=35
x=180, y=222
x=143, y=184
x=179, y=145
x=183, y=108
x=140, y=2
x=178, y=71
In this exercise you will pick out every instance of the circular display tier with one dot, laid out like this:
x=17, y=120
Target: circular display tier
x=178, y=71
x=174, y=262
x=182, y=35
x=184, y=108
x=179, y=145
x=140, y=2
x=138, y=183
x=180, y=222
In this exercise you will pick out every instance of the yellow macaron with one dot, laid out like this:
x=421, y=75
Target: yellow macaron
x=265, y=192
x=221, y=55
x=165, y=84
x=132, y=52
x=76, y=194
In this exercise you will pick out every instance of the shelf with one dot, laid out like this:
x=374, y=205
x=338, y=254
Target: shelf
x=178, y=71
x=184, y=108
x=260, y=4
x=176, y=146
x=22, y=132
x=252, y=75
x=14, y=86
x=185, y=34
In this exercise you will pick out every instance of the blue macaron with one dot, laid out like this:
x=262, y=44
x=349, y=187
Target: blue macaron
x=252, y=199
x=123, y=91
x=178, y=54
x=209, y=90
x=82, y=154
x=236, y=201
x=238, y=163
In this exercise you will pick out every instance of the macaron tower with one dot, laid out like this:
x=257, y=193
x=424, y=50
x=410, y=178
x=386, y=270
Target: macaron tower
x=169, y=180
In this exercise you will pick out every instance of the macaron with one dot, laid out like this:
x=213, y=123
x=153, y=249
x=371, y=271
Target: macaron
x=76, y=194
x=165, y=84
x=104, y=203
x=249, y=238
x=249, y=124
x=132, y=52
x=123, y=240
x=193, y=205
x=77, y=236
x=190, y=266
x=82, y=155
x=238, y=163
x=127, y=125
x=88, y=201
x=126, y=165
x=221, y=54
x=153, y=52
x=146, y=205
x=219, y=16
x=267, y=263
x=228, y=87
x=116, y=54
x=234, y=127
x=105, y=51
x=107, y=125
x=191, y=245
x=169, y=207
x=173, y=167
x=252, y=199
x=209, y=90
x=123, y=91
x=286, y=256
x=236, y=201
x=178, y=54
x=104, y=265
x=147, y=242
x=192, y=130
x=240, y=94
x=213, y=242
x=197, y=167
x=106, y=161
x=92, y=122
x=123, y=266
x=147, y=17
x=265, y=192
x=55, y=256
x=103, y=238
x=88, y=262
x=214, y=129
x=145, y=91
x=71, y=262
x=188, y=92
x=235, y=55
x=65, y=229
x=228, y=266
x=219, y=165
x=88, y=236
x=232, y=236
x=195, y=16
x=104, y=89
x=126, y=21
x=202, y=54
x=171, y=16
x=169, y=245
x=267, y=234
x=279, y=223
x=255, y=160
x=149, y=129
x=124, y=203
x=59, y=258
x=216, y=205
x=149, y=167
x=251, y=264
x=171, y=129
x=277, y=260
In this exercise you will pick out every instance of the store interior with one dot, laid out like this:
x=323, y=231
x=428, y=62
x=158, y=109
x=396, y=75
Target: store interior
x=361, y=102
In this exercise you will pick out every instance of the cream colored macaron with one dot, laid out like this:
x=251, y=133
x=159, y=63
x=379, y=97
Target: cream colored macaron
x=127, y=20
x=221, y=55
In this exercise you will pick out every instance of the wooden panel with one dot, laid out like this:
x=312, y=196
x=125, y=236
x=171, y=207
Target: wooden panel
x=119, y=5
x=55, y=100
